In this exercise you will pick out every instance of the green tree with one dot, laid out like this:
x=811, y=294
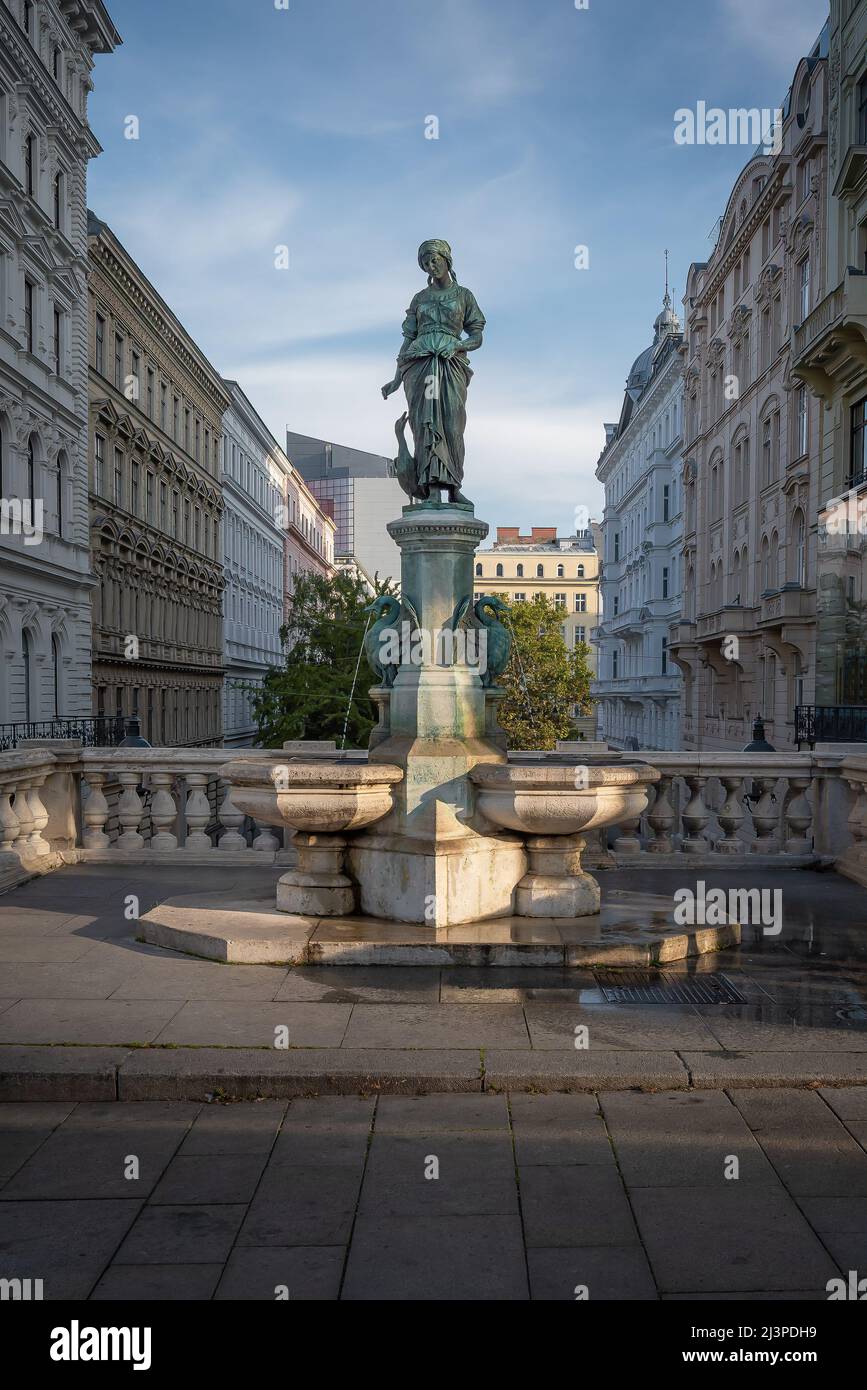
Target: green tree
x=544, y=681
x=309, y=695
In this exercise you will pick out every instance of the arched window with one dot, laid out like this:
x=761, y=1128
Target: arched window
x=580, y=571
x=61, y=470
x=26, y=654
x=55, y=658
x=800, y=549
x=520, y=571
x=499, y=571
x=540, y=571
x=560, y=571
x=478, y=569
x=31, y=474
x=766, y=564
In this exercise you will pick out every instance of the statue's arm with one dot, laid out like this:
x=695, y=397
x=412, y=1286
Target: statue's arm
x=474, y=325
x=409, y=329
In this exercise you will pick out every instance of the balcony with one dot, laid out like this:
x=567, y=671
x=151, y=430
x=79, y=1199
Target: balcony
x=833, y=335
x=732, y=617
x=791, y=604
x=830, y=724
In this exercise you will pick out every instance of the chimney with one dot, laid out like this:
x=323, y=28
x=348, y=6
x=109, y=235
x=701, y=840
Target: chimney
x=508, y=535
x=543, y=533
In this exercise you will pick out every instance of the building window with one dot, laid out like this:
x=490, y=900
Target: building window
x=666, y=501
x=163, y=393
x=805, y=289
x=616, y=604
x=478, y=570
x=99, y=465
x=560, y=600
x=118, y=478
x=580, y=571
x=540, y=571
x=31, y=474
x=581, y=603
x=803, y=422
x=58, y=341
x=149, y=498
x=614, y=665
x=520, y=598
x=25, y=653
x=862, y=111
x=176, y=405
x=30, y=164
x=616, y=546
x=665, y=582
x=664, y=657
x=561, y=573
x=100, y=344
x=55, y=64
x=164, y=492
x=133, y=487
x=767, y=453
x=499, y=571
x=58, y=200
x=29, y=297
x=27, y=17
x=60, y=470
x=187, y=430
x=118, y=361
x=150, y=396
x=133, y=392
x=198, y=430
x=581, y=635
x=175, y=516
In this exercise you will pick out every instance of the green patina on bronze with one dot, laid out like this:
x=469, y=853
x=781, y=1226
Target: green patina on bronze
x=433, y=369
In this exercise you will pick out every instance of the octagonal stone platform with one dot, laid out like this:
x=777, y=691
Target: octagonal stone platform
x=631, y=929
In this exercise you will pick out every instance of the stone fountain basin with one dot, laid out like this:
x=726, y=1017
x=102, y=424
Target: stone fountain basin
x=316, y=797
x=562, y=800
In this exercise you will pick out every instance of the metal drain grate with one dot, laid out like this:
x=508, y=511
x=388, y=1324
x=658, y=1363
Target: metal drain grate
x=656, y=987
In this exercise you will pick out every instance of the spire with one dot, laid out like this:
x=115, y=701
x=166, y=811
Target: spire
x=667, y=320
x=667, y=297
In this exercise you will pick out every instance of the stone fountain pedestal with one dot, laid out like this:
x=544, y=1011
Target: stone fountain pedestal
x=433, y=859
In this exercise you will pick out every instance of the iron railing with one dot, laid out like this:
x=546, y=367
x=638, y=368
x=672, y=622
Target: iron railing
x=830, y=724
x=101, y=731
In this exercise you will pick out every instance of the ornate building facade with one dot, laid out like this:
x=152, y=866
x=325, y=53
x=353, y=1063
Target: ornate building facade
x=830, y=356
x=639, y=687
x=156, y=506
x=747, y=636
x=47, y=54
x=273, y=528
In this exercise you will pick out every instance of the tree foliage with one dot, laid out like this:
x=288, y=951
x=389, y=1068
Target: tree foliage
x=544, y=681
x=309, y=695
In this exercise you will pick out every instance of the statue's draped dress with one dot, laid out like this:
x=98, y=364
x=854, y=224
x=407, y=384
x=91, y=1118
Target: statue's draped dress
x=436, y=389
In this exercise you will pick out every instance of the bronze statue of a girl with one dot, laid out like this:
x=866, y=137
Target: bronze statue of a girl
x=432, y=365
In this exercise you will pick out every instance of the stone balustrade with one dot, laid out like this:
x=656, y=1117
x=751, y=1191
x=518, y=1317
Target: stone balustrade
x=67, y=804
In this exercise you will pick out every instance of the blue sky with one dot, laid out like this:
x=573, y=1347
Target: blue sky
x=305, y=127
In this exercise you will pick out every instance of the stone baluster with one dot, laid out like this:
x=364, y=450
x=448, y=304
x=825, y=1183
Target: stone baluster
x=232, y=819
x=37, y=845
x=10, y=826
x=766, y=817
x=95, y=811
x=318, y=886
x=731, y=816
x=130, y=810
x=266, y=841
x=163, y=812
x=695, y=817
x=24, y=812
x=627, y=842
x=197, y=812
x=798, y=815
x=661, y=818
x=857, y=819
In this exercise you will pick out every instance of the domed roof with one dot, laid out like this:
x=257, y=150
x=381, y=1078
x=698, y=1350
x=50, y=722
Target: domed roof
x=639, y=372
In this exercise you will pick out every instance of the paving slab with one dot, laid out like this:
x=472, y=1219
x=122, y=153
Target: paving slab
x=93, y=1159
x=583, y=1071
x=440, y=1175
x=809, y=1147
x=248, y=1023
x=439, y=1258
x=24, y=1128
x=159, y=978
x=574, y=1205
x=727, y=1239
x=221, y=1178
x=436, y=1026
x=617, y=1272
x=332, y=1130
x=554, y=1129
x=77, y=979
x=245, y=1074
x=303, y=1206
x=87, y=1021
x=158, y=1283
x=59, y=1073
x=771, y=1028
x=849, y=1102
x=683, y=1139
x=307, y=1273
x=552, y=1028
x=190, y=1234
x=234, y=1129
x=441, y=1114
x=66, y=1244
x=22, y=948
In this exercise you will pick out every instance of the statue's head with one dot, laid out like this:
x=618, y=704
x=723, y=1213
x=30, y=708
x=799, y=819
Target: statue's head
x=435, y=257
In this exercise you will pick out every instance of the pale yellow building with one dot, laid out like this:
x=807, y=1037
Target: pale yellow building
x=564, y=568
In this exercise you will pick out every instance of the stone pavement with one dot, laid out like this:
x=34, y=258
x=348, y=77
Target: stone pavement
x=469, y=1197
x=89, y=1013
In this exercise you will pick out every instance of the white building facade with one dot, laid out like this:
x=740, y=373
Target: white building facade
x=47, y=53
x=638, y=687
x=255, y=479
